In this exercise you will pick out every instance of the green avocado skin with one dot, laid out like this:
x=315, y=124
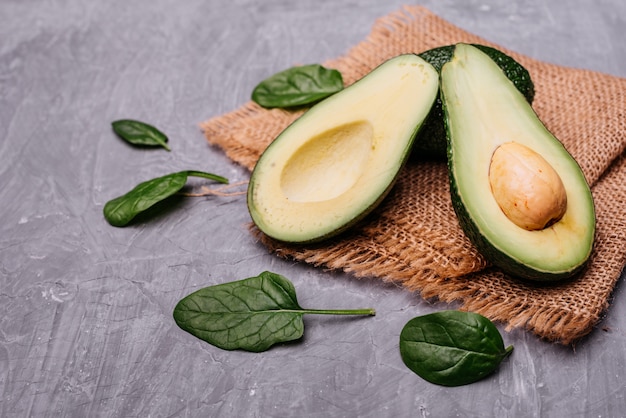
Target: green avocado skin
x=431, y=141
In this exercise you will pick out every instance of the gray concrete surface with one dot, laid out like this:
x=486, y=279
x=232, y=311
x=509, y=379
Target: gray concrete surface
x=86, y=326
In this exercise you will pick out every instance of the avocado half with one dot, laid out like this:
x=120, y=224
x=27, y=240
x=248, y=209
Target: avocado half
x=536, y=176
x=431, y=142
x=334, y=164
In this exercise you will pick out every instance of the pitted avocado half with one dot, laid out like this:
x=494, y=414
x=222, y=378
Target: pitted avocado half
x=334, y=164
x=519, y=195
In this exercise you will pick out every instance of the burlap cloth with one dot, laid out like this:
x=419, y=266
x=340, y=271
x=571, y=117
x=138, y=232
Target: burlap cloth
x=414, y=239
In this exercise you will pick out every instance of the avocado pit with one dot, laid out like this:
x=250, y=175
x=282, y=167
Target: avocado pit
x=526, y=187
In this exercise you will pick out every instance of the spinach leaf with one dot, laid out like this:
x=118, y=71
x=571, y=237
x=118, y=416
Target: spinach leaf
x=121, y=210
x=139, y=133
x=251, y=314
x=452, y=348
x=297, y=86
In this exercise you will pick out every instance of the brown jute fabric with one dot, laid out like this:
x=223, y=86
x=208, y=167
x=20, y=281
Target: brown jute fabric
x=413, y=238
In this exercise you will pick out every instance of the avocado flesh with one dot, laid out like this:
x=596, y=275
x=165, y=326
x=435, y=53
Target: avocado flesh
x=334, y=164
x=431, y=142
x=483, y=111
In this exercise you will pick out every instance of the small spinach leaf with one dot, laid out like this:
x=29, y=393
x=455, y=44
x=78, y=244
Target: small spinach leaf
x=297, y=86
x=251, y=314
x=452, y=348
x=121, y=210
x=139, y=133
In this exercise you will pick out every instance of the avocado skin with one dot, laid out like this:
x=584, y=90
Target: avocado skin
x=431, y=141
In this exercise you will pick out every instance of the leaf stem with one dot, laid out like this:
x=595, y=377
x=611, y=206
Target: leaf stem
x=210, y=176
x=163, y=144
x=368, y=311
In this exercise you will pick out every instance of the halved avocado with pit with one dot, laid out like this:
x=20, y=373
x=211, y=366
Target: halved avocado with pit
x=334, y=164
x=519, y=195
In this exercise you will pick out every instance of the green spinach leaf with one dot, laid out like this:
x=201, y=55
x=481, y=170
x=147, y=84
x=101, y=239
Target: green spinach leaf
x=297, y=86
x=452, y=348
x=121, y=210
x=139, y=133
x=251, y=314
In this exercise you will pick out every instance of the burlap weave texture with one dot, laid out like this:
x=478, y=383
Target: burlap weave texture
x=414, y=239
